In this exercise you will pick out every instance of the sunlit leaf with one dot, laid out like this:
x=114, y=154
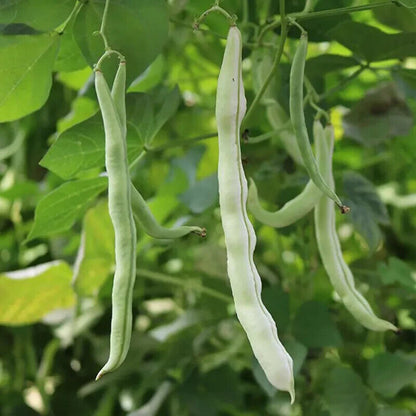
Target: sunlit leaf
x=29, y=294
x=58, y=210
x=25, y=73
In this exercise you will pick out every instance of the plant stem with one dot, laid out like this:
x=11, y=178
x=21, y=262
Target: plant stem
x=184, y=142
x=103, y=23
x=245, y=11
x=343, y=83
x=308, y=6
x=14, y=146
x=214, y=8
x=337, y=12
x=307, y=15
x=160, y=277
x=275, y=64
x=74, y=12
x=268, y=135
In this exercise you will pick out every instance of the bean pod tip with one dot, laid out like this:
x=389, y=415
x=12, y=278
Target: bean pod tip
x=344, y=209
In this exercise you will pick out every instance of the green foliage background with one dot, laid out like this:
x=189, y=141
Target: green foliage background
x=187, y=345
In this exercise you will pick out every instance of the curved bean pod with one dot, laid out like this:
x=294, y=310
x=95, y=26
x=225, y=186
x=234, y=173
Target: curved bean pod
x=240, y=239
x=148, y=222
x=298, y=120
x=330, y=251
x=119, y=202
x=299, y=206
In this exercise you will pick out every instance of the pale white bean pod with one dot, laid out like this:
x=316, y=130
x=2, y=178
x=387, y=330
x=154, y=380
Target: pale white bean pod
x=240, y=238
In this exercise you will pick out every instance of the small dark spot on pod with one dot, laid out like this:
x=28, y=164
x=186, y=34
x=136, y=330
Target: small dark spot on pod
x=245, y=135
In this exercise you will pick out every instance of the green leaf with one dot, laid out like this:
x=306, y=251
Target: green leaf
x=44, y=15
x=367, y=209
x=152, y=76
x=408, y=76
x=25, y=73
x=208, y=395
x=82, y=147
x=397, y=271
x=391, y=411
x=25, y=189
x=388, y=373
x=58, y=210
x=325, y=63
x=95, y=259
x=277, y=303
x=396, y=17
x=372, y=44
x=410, y=4
x=149, y=113
x=345, y=394
x=201, y=195
x=381, y=115
x=297, y=351
x=70, y=57
x=27, y=295
x=137, y=29
x=314, y=327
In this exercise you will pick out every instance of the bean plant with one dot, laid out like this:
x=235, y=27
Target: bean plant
x=207, y=207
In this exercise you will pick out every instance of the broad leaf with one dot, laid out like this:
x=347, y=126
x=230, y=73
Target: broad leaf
x=148, y=113
x=314, y=327
x=397, y=271
x=391, y=411
x=201, y=195
x=44, y=15
x=396, y=17
x=58, y=210
x=95, y=259
x=277, y=303
x=82, y=147
x=69, y=56
x=345, y=394
x=367, y=209
x=25, y=73
x=410, y=4
x=137, y=29
x=372, y=44
x=322, y=64
x=27, y=295
x=382, y=114
x=152, y=76
x=388, y=373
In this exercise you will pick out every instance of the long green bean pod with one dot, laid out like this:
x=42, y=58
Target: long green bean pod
x=119, y=203
x=262, y=62
x=118, y=93
x=141, y=212
x=240, y=239
x=298, y=121
x=297, y=207
x=148, y=222
x=329, y=247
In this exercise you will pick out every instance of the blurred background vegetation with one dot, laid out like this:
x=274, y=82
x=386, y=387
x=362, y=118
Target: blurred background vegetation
x=189, y=355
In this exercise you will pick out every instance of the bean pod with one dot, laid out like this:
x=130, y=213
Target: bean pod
x=298, y=121
x=297, y=207
x=329, y=247
x=119, y=203
x=240, y=239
